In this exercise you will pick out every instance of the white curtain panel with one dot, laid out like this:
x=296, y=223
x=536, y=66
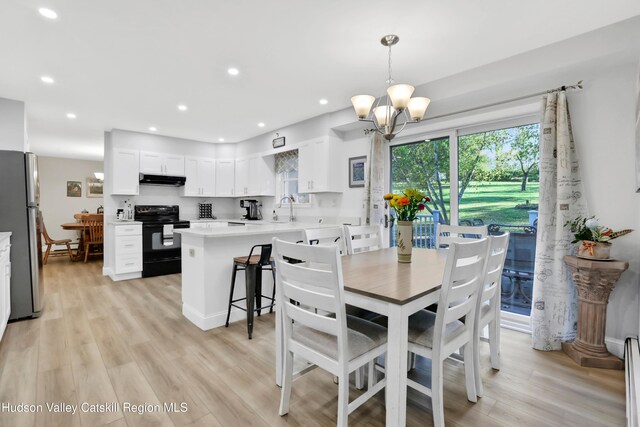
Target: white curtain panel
x=554, y=308
x=373, y=203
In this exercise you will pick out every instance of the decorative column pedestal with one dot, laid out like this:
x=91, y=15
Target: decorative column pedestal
x=594, y=280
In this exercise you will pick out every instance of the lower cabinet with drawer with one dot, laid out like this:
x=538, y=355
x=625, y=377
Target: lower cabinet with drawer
x=127, y=261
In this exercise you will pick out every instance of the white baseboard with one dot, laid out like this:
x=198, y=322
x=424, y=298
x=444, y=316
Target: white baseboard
x=212, y=320
x=125, y=276
x=106, y=271
x=615, y=346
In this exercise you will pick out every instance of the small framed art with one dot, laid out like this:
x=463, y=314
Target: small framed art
x=356, y=171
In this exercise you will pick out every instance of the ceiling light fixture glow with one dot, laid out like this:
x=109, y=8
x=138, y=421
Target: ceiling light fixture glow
x=152, y=128
x=182, y=107
x=233, y=71
x=48, y=80
x=260, y=125
x=47, y=13
x=71, y=115
x=220, y=139
x=398, y=100
x=323, y=101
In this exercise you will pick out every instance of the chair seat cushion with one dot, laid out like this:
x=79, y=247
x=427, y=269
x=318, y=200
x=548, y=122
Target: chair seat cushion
x=362, y=337
x=421, y=328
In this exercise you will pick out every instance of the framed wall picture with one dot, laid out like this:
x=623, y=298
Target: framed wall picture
x=278, y=142
x=94, y=187
x=356, y=171
x=74, y=188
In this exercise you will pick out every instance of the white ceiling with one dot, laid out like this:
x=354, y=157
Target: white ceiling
x=128, y=63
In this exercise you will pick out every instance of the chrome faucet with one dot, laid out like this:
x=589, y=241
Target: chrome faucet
x=291, y=200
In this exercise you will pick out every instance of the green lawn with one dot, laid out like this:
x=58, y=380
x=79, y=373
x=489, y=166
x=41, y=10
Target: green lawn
x=494, y=202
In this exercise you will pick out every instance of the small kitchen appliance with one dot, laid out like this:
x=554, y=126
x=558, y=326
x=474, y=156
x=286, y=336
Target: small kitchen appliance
x=253, y=209
x=205, y=211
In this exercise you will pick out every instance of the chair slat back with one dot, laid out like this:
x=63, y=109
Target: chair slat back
x=448, y=234
x=463, y=277
x=493, y=276
x=94, y=227
x=314, y=285
x=326, y=236
x=363, y=238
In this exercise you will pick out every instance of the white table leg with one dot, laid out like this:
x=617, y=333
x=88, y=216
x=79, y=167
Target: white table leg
x=396, y=366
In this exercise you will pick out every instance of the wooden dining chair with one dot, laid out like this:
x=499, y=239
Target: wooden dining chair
x=52, y=242
x=438, y=335
x=362, y=238
x=488, y=306
x=93, y=234
x=447, y=234
x=338, y=343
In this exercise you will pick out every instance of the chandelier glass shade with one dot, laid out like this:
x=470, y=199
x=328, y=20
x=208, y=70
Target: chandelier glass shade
x=398, y=109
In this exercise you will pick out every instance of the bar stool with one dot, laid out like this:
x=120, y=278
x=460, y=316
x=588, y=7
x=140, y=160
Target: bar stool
x=253, y=265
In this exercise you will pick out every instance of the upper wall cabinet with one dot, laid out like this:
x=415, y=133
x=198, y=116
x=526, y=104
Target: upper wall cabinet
x=255, y=176
x=161, y=163
x=200, y=174
x=316, y=173
x=225, y=178
x=125, y=172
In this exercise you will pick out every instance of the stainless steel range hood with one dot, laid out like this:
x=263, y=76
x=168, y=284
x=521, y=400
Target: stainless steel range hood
x=172, y=181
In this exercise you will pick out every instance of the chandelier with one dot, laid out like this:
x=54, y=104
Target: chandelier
x=398, y=102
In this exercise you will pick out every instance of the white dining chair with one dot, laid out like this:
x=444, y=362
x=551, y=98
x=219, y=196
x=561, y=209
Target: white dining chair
x=447, y=234
x=438, y=335
x=326, y=236
x=362, y=238
x=488, y=306
x=339, y=344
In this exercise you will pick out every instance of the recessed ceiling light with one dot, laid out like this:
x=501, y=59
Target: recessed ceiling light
x=182, y=107
x=323, y=101
x=233, y=71
x=47, y=13
x=220, y=139
x=152, y=128
x=71, y=115
x=260, y=125
x=48, y=80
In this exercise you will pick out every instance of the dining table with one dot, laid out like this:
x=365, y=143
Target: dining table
x=377, y=282
x=77, y=225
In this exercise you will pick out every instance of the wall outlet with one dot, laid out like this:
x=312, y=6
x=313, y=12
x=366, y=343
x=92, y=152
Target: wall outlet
x=192, y=253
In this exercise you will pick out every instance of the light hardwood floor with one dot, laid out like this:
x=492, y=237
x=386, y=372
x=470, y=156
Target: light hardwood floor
x=102, y=342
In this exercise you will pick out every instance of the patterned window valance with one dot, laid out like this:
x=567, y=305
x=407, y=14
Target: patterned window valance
x=287, y=161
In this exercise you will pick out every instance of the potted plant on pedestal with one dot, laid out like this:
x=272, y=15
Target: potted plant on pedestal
x=406, y=206
x=594, y=239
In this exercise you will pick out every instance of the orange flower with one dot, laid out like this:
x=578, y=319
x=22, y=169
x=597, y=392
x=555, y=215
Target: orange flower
x=388, y=196
x=403, y=201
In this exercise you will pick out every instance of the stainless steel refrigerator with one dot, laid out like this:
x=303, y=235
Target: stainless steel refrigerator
x=20, y=214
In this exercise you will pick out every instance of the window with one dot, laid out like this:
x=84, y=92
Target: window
x=287, y=177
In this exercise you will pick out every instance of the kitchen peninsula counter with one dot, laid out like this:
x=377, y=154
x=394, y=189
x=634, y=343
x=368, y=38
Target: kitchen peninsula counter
x=207, y=261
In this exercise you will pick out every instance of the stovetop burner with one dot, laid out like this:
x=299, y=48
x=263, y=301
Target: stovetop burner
x=159, y=214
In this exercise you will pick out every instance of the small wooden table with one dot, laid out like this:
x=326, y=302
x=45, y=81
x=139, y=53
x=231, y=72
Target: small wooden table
x=594, y=280
x=376, y=281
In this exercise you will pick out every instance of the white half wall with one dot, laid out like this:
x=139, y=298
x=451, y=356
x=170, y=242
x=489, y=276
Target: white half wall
x=13, y=135
x=56, y=207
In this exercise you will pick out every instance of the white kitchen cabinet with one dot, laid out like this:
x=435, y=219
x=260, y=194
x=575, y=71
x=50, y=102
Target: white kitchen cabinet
x=128, y=248
x=262, y=176
x=5, y=283
x=242, y=177
x=225, y=178
x=161, y=163
x=200, y=174
x=125, y=171
x=255, y=176
x=315, y=171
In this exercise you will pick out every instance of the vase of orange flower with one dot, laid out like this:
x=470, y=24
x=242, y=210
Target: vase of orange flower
x=406, y=207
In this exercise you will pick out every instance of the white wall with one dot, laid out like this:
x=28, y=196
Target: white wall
x=56, y=207
x=13, y=125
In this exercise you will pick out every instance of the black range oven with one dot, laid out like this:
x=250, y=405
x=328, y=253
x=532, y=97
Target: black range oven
x=161, y=248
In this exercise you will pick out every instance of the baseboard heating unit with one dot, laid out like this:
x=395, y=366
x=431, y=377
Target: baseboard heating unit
x=632, y=379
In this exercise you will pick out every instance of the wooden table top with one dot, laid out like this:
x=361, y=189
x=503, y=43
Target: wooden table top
x=72, y=226
x=378, y=274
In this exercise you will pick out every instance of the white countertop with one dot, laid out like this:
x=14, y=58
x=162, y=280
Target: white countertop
x=123, y=222
x=4, y=235
x=253, y=228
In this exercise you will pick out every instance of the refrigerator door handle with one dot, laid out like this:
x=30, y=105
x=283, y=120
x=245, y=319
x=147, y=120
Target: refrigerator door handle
x=36, y=260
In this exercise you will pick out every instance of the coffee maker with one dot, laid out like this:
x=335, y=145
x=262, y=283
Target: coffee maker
x=253, y=209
